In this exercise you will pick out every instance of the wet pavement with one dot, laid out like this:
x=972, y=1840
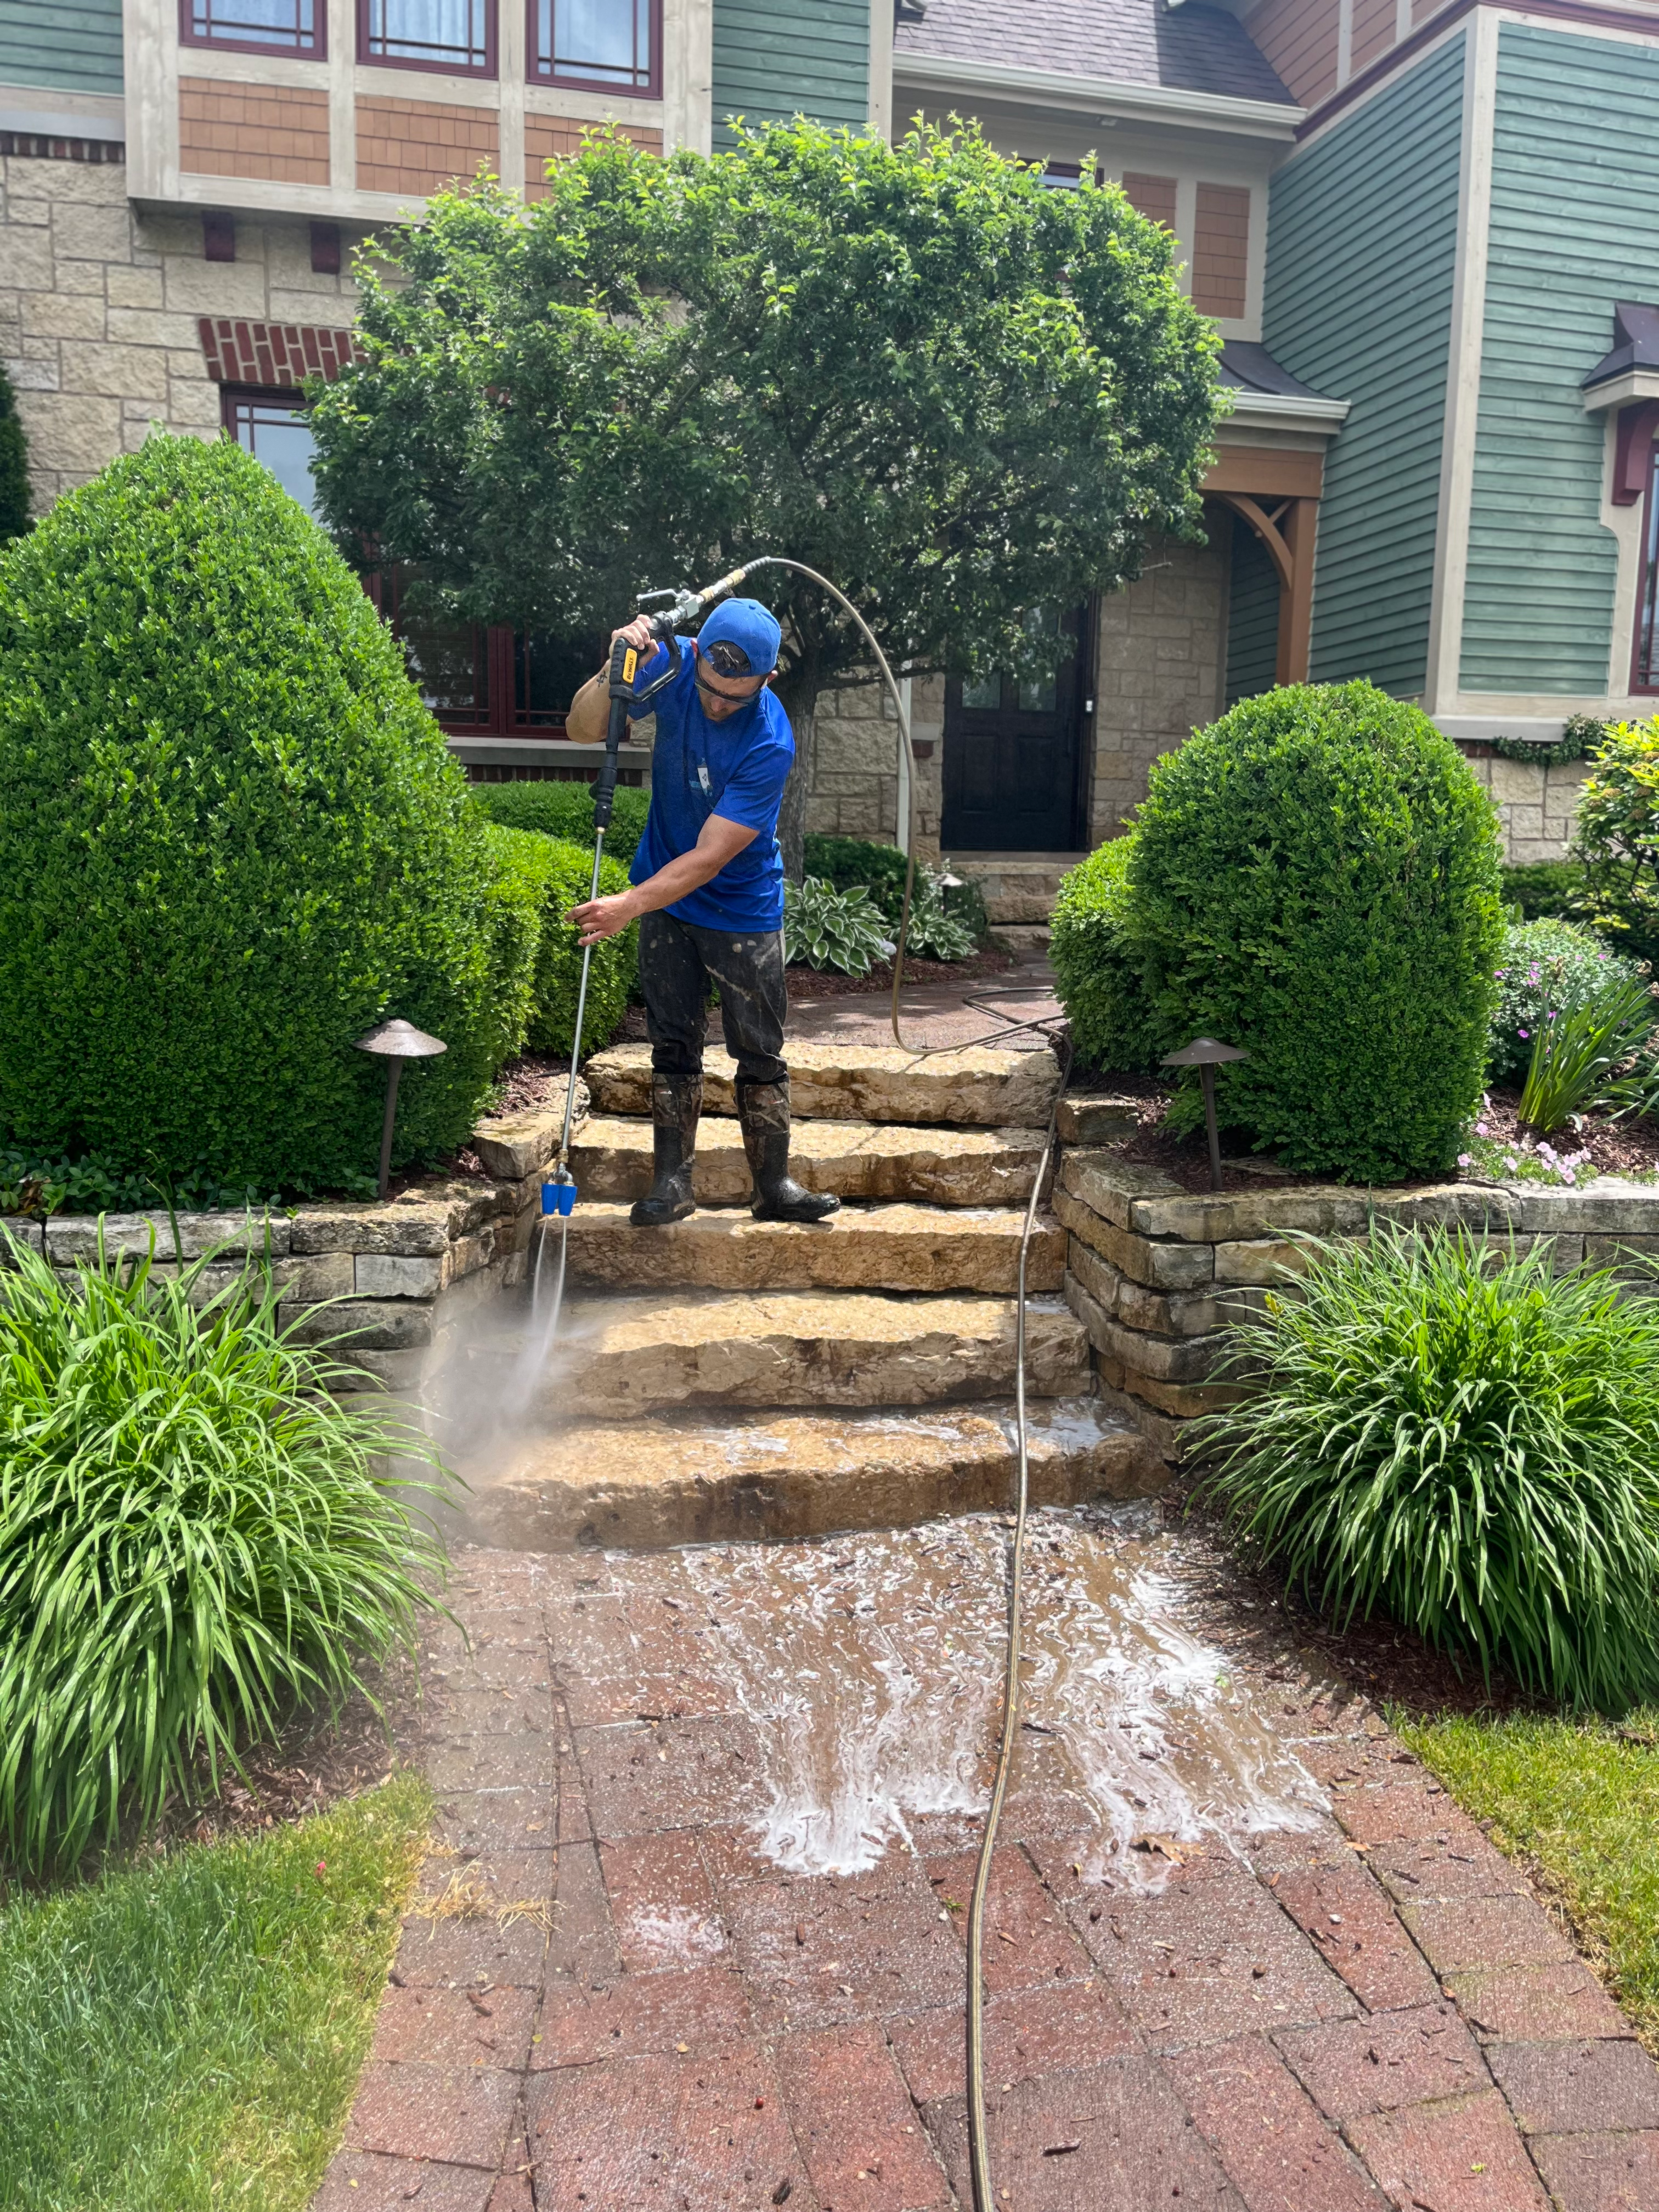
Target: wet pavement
x=693, y=1935
x=932, y=1015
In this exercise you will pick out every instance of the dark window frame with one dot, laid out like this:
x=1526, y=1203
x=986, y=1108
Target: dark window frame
x=535, y=74
x=496, y=645
x=318, y=53
x=487, y=69
x=1647, y=584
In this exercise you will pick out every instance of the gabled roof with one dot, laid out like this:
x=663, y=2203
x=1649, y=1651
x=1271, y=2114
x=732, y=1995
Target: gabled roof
x=1635, y=344
x=1251, y=367
x=1193, y=48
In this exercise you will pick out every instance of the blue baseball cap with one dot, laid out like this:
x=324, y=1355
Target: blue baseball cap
x=746, y=624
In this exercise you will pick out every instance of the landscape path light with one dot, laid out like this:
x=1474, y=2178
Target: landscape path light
x=394, y=1043
x=1206, y=1055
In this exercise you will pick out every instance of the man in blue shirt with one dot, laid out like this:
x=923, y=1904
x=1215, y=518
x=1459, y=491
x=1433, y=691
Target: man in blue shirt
x=707, y=890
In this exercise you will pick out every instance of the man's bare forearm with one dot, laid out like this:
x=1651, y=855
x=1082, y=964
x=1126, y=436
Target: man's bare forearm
x=590, y=711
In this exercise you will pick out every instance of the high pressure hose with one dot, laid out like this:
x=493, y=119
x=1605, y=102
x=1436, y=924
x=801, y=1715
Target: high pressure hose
x=559, y=1194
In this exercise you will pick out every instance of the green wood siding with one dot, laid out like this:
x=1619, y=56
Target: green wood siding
x=1575, y=215
x=776, y=58
x=1252, y=617
x=1362, y=241
x=75, y=43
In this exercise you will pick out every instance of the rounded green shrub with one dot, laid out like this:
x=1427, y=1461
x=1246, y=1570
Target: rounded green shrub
x=1454, y=1437
x=566, y=810
x=1097, y=967
x=232, y=840
x=555, y=876
x=1315, y=877
x=1616, y=839
x=1544, y=966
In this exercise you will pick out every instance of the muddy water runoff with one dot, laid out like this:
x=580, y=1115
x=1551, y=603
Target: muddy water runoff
x=871, y=1668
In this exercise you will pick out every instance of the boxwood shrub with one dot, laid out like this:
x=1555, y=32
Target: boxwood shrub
x=232, y=840
x=1097, y=965
x=1315, y=878
x=566, y=810
x=553, y=875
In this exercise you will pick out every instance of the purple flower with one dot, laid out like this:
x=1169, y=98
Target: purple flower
x=1466, y=1159
x=1524, y=1033
x=1481, y=1130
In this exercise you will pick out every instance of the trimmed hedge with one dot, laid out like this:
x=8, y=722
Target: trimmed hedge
x=566, y=810
x=232, y=840
x=14, y=466
x=553, y=875
x=1097, y=965
x=1545, y=889
x=1315, y=877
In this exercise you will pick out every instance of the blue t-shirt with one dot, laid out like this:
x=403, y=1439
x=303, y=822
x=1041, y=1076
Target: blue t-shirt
x=735, y=768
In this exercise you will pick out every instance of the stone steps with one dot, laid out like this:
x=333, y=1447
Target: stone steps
x=657, y=1352
x=710, y=1478
x=610, y=1159
x=983, y=1089
x=882, y=1248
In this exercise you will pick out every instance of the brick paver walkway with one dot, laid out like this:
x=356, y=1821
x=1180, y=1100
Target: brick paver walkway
x=932, y=1015
x=621, y=2003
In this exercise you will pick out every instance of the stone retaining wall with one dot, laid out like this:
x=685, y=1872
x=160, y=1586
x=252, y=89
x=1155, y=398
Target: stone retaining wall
x=400, y=1277
x=1155, y=1272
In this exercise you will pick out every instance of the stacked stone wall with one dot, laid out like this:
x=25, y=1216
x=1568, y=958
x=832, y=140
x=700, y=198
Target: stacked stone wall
x=1158, y=673
x=1156, y=1273
x=99, y=309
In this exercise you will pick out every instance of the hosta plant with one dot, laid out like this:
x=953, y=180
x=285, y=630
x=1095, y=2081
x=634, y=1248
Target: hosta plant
x=1453, y=1436
x=827, y=928
x=935, y=932
x=195, y=1540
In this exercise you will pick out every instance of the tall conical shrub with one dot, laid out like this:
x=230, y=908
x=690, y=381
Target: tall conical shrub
x=232, y=840
x=14, y=466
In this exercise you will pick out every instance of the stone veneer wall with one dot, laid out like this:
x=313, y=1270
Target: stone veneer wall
x=854, y=787
x=99, y=305
x=1159, y=673
x=1534, y=804
x=1155, y=1273
x=408, y=1273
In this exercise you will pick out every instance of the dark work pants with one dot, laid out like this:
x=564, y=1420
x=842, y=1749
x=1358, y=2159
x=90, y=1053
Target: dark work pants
x=678, y=961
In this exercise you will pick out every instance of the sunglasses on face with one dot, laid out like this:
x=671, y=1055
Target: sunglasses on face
x=727, y=698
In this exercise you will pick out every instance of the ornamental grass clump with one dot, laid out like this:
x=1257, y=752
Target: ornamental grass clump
x=1453, y=1436
x=195, y=1540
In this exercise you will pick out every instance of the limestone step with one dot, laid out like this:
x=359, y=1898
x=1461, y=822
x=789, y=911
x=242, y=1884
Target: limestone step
x=611, y=1159
x=879, y=1248
x=649, y=1353
x=982, y=1089
x=699, y=1478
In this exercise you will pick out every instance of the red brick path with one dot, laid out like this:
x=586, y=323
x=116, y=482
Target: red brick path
x=1377, y=2014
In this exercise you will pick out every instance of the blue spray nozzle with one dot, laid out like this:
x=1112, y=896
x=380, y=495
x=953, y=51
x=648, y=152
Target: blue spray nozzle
x=559, y=1196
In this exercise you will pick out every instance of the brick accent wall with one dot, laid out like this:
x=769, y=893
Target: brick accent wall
x=1152, y=196
x=277, y=132
x=101, y=307
x=414, y=147
x=1221, y=248
x=556, y=138
x=275, y=354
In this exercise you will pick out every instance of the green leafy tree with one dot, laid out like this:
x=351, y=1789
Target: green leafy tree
x=14, y=466
x=961, y=394
x=1616, y=838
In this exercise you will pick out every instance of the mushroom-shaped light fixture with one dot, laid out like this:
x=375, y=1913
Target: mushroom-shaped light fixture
x=395, y=1042
x=1206, y=1055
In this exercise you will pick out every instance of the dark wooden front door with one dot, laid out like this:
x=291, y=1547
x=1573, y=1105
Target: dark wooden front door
x=1011, y=749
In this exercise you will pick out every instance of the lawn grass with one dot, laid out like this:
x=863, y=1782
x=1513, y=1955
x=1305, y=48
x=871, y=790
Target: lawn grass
x=188, y=2033
x=1581, y=1800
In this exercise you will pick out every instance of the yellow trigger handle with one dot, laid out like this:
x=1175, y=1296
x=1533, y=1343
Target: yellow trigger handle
x=631, y=662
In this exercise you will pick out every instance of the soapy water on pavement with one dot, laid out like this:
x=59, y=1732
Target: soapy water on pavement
x=870, y=1667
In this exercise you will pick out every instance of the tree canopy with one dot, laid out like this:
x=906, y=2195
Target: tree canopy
x=961, y=393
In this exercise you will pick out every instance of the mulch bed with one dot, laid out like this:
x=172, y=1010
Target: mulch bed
x=1615, y=1148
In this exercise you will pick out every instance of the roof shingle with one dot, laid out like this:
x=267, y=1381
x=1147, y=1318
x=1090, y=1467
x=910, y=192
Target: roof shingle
x=1184, y=49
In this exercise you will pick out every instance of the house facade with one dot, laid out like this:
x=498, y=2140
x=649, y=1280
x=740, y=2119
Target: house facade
x=1424, y=232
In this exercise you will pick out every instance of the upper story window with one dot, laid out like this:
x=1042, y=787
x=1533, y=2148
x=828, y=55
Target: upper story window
x=457, y=35
x=273, y=428
x=603, y=45
x=260, y=26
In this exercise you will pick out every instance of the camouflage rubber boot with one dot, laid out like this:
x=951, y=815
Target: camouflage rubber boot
x=763, y=1112
x=675, y=1104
